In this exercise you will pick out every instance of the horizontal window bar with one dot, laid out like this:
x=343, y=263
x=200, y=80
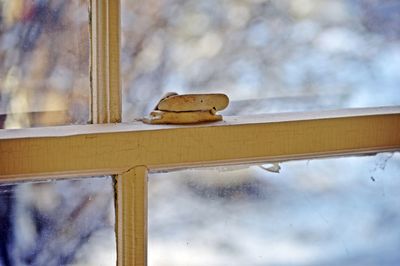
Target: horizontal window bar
x=115, y=148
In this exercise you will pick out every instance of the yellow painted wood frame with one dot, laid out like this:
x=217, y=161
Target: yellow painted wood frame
x=105, y=78
x=128, y=151
x=131, y=187
x=116, y=148
x=106, y=102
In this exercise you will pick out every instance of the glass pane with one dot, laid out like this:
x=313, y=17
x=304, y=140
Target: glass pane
x=290, y=55
x=342, y=211
x=44, y=62
x=63, y=222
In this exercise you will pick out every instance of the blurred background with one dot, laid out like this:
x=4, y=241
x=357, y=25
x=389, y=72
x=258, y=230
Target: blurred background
x=284, y=55
x=44, y=63
x=337, y=211
x=288, y=55
x=268, y=56
x=63, y=222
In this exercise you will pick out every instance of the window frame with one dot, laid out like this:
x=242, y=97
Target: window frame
x=128, y=151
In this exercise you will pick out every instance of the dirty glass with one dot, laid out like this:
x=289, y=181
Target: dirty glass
x=63, y=222
x=289, y=55
x=44, y=62
x=336, y=211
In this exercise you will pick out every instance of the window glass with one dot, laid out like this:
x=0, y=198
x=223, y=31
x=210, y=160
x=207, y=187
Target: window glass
x=336, y=211
x=63, y=222
x=44, y=62
x=290, y=55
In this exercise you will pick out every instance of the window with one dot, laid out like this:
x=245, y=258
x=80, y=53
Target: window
x=44, y=61
x=313, y=212
x=129, y=151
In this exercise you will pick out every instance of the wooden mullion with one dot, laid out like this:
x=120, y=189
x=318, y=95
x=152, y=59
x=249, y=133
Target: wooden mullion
x=131, y=197
x=128, y=150
x=106, y=106
x=105, y=61
x=114, y=48
x=114, y=148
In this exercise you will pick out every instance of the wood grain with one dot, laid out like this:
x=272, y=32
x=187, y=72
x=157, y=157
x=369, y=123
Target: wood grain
x=131, y=188
x=194, y=102
x=111, y=149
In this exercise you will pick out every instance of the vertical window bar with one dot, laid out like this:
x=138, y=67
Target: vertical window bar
x=131, y=206
x=105, y=61
x=106, y=107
